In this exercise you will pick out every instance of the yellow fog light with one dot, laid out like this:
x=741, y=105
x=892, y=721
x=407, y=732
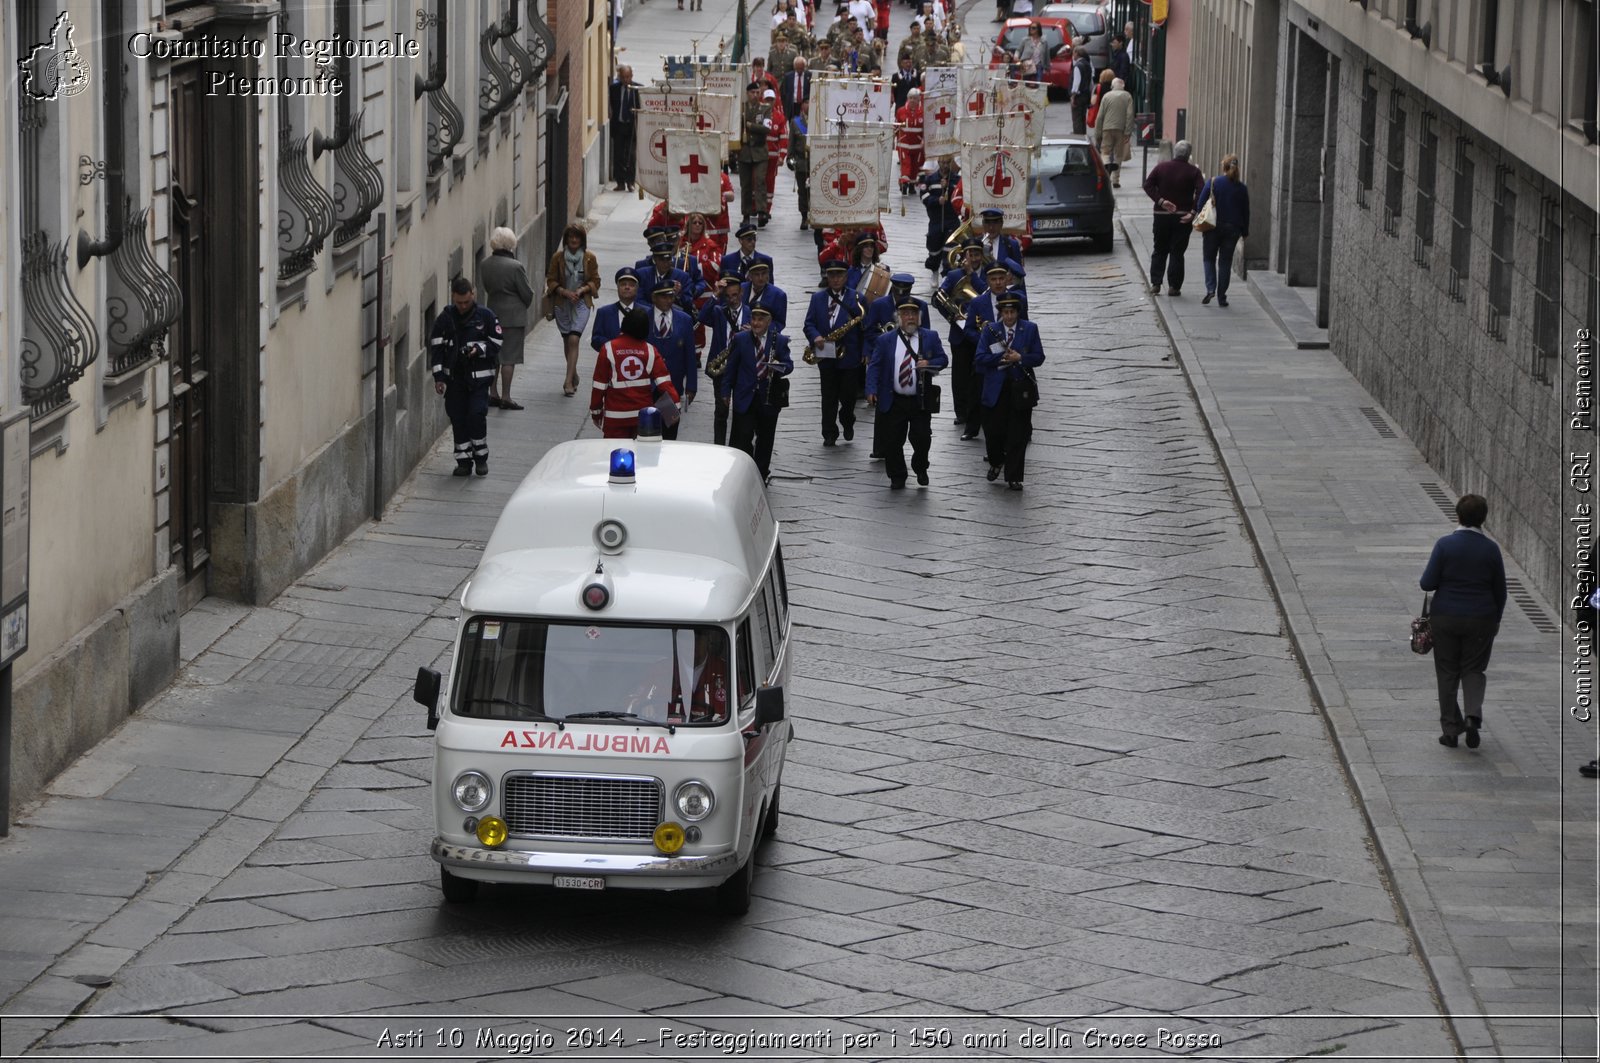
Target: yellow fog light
x=492, y=831
x=668, y=837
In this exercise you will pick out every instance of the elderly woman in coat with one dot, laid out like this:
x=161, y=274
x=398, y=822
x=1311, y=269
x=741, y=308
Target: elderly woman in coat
x=504, y=280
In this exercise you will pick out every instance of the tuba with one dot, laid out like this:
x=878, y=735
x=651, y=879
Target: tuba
x=951, y=252
x=953, y=305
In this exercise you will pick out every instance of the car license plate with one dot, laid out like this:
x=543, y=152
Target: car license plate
x=578, y=882
x=1052, y=223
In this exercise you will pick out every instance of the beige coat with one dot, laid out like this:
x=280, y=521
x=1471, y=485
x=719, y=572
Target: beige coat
x=555, y=275
x=1116, y=112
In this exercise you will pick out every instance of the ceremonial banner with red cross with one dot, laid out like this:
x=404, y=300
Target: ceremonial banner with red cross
x=997, y=177
x=1024, y=104
x=845, y=180
x=650, y=151
x=694, y=171
x=856, y=101
x=977, y=90
x=1021, y=130
x=941, y=122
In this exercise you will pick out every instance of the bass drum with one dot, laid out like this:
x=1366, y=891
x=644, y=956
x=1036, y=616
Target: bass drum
x=875, y=283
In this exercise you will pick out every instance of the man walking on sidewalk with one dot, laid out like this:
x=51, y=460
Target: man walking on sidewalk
x=464, y=351
x=1173, y=186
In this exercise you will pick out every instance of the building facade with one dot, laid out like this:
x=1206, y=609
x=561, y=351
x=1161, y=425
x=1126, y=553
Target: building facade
x=224, y=224
x=1430, y=169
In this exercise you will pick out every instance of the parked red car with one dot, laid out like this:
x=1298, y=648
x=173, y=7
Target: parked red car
x=1055, y=33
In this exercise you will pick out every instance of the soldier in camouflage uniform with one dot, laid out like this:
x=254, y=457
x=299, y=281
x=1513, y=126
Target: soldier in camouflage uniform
x=914, y=47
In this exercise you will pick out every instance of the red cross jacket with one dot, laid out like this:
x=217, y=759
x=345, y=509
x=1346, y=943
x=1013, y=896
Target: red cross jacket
x=627, y=375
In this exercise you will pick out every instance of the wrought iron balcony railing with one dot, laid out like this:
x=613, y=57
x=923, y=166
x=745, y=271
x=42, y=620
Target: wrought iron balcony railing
x=357, y=181
x=142, y=300
x=498, y=87
x=446, y=124
x=306, y=212
x=541, y=45
x=58, y=335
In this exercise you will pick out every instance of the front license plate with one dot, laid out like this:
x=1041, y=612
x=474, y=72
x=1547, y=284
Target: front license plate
x=1052, y=223
x=578, y=882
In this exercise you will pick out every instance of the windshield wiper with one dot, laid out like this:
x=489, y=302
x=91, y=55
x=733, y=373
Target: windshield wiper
x=613, y=714
x=529, y=712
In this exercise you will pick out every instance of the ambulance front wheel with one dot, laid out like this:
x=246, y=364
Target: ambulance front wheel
x=769, y=826
x=457, y=890
x=733, y=896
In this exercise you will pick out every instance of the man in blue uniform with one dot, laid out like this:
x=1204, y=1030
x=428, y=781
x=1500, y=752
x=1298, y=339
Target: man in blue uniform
x=760, y=355
x=1008, y=351
x=663, y=271
x=672, y=335
x=834, y=307
x=997, y=246
x=984, y=310
x=882, y=317
x=608, y=319
x=760, y=291
x=737, y=263
x=723, y=320
x=898, y=386
x=963, y=384
x=464, y=355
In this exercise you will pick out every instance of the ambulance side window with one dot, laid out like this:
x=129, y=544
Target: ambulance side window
x=782, y=584
x=747, y=672
x=761, y=625
x=775, y=614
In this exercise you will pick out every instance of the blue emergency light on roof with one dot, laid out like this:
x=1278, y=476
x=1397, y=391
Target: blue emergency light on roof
x=622, y=466
x=649, y=423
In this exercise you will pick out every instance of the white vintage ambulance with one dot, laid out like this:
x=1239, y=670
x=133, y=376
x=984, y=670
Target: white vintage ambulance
x=614, y=715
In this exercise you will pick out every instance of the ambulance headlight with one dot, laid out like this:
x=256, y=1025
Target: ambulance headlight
x=472, y=791
x=694, y=800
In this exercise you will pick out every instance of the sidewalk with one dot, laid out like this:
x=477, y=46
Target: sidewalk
x=1491, y=851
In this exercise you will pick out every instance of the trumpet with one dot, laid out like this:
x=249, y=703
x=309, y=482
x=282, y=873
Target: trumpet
x=808, y=355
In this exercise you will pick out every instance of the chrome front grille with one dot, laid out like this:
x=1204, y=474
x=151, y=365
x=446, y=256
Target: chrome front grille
x=624, y=808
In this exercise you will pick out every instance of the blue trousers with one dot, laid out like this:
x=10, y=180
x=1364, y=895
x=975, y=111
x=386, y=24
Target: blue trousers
x=468, y=410
x=1216, y=249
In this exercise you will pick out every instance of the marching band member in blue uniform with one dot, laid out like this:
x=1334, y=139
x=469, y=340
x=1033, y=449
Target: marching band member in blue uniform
x=760, y=291
x=963, y=385
x=759, y=357
x=722, y=321
x=662, y=269
x=608, y=319
x=898, y=385
x=997, y=246
x=882, y=317
x=1008, y=352
x=980, y=312
x=737, y=263
x=833, y=307
x=672, y=335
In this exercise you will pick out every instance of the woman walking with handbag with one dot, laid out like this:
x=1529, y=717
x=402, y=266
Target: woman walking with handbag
x=1468, y=579
x=571, y=282
x=1231, y=222
x=508, y=295
x=1008, y=352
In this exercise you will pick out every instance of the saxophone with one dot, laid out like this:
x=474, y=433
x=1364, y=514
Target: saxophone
x=718, y=364
x=833, y=337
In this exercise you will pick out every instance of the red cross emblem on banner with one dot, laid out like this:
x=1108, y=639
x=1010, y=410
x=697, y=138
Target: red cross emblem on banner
x=997, y=181
x=694, y=169
x=843, y=184
x=976, y=105
x=702, y=121
x=943, y=114
x=658, y=146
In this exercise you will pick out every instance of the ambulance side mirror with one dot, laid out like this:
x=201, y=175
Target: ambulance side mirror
x=769, y=706
x=427, y=693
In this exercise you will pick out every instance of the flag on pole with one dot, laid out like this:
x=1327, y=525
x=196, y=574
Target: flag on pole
x=694, y=171
x=941, y=122
x=997, y=177
x=650, y=151
x=844, y=180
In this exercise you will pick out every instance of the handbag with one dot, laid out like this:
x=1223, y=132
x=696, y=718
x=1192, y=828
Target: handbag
x=1094, y=112
x=1206, y=219
x=1025, y=392
x=931, y=395
x=1422, y=630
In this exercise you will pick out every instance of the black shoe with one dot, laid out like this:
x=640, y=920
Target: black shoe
x=1155, y=289
x=1206, y=298
x=1447, y=740
x=1222, y=300
x=762, y=220
x=1590, y=770
x=483, y=466
x=922, y=478
x=897, y=485
x=829, y=443
x=849, y=431
x=993, y=474
x=1015, y=485
x=969, y=436
x=875, y=457
x=1174, y=292
x=1473, y=723
x=463, y=468
x=960, y=419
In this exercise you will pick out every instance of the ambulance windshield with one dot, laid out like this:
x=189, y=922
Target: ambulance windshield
x=533, y=669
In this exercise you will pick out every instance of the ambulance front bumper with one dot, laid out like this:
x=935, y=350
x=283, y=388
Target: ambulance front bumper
x=531, y=865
